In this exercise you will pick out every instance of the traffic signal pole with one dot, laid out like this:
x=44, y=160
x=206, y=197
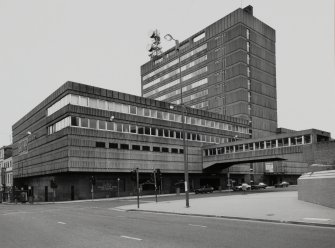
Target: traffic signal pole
x=138, y=187
x=155, y=180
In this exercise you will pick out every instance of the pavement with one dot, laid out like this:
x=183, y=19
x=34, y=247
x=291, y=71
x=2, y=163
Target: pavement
x=280, y=207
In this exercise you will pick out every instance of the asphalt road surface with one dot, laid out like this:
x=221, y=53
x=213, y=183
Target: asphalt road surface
x=98, y=224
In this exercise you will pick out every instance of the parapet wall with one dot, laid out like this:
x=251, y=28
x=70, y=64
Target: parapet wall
x=318, y=187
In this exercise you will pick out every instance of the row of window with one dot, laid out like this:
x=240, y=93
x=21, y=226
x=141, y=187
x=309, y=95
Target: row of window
x=159, y=89
x=146, y=148
x=134, y=129
x=192, y=97
x=142, y=130
x=200, y=105
x=172, y=63
x=186, y=88
x=133, y=110
x=267, y=144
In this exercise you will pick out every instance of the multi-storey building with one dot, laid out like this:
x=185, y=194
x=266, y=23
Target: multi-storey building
x=6, y=175
x=228, y=68
x=81, y=131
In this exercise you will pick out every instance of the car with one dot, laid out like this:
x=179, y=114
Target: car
x=204, y=189
x=240, y=187
x=259, y=186
x=282, y=185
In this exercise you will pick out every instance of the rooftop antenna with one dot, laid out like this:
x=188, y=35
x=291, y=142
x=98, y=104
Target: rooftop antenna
x=154, y=48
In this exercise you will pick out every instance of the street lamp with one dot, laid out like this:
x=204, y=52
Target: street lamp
x=169, y=37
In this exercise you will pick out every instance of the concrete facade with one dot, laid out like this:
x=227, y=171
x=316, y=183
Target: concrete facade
x=317, y=187
x=228, y=67
x=81, y=131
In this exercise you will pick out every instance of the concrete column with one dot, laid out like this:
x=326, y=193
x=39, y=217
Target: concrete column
x=302, y=139
x=289, y=141
x=276, y=143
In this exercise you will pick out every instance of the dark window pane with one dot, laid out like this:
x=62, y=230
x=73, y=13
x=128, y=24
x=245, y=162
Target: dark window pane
x=145, y=148
x=75, y=121
x=136, y=147
x=124, y=146
x=147, y=130
x=132, y=128
x=156, y=149
x=113, y=145
x=165, y=149
x=100, y=144
x=174, y=150
x=140, y=130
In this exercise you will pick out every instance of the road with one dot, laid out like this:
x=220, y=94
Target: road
x=98, y=224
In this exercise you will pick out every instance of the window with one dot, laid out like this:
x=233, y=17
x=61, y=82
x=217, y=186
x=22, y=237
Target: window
x=93, y=124
x=126, y=128
x=102, y=104
x=75, y=121
x=100, y=144
x=93, y=103
x=147, y=112
x=84, y=122
x=174, y=150
x=133, y=129
x=156, y=149
x=165, y=149
x=147, y=130
x=132, y=110
x=140, y=130
x=124, y=147
x=199, y=37
x=113, y=145
x=181, y=151
x=145, y=148
x=83, y=101
x=136, y=147
x=102, y=125
x=118, y=127
x=110, y=126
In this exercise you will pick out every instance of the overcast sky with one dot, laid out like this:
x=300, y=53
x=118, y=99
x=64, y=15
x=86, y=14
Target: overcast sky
x=103, y=43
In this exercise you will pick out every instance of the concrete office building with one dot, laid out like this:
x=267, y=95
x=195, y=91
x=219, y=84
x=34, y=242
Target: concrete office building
x=228, y=68
x=81, y=131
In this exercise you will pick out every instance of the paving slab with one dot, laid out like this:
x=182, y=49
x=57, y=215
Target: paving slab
x=272, y=206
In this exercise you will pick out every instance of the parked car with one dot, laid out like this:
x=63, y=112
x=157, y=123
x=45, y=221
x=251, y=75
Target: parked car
x=259, y=186
x=282, y=185
x=204, y=189
x=240, y=187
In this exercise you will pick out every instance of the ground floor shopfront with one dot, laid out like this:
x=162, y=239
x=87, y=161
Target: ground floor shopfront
x=78, y=186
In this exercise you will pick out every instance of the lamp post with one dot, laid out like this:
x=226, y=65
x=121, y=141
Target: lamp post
x=169, y=37
x=118, y=187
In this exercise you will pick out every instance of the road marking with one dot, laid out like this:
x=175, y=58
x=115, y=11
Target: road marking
x=197, y=225
x=127, y=237
x=59, y=222
x=18, y=212
x=317, y=219
x=118, y=209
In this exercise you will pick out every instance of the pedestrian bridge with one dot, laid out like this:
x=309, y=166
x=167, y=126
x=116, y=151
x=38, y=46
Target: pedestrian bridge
x=273, y=148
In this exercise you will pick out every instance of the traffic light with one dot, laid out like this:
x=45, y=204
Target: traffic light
x=133, y=175
x=158, y=177
x=53, y=184
x=92, y=180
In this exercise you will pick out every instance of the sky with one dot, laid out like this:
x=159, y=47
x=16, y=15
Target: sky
x=45, y=43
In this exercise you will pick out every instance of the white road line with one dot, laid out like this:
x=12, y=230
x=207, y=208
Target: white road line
x=59, y=222
x=118, y=209
x=197, y=225
x=317, y=219
x=127, y=237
